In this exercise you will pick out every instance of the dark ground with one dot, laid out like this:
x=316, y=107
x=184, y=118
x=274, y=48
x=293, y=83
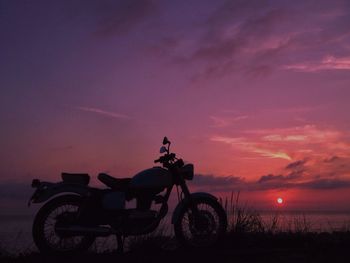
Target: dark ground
x=282, y=247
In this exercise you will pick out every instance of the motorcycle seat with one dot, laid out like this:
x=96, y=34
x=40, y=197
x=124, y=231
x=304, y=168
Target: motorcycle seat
x=76, y=178
x=118, y=184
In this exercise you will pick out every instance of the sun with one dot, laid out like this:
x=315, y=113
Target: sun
x=280, y=200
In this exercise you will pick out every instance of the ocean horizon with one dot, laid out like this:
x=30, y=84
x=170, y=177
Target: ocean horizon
x=16, y=237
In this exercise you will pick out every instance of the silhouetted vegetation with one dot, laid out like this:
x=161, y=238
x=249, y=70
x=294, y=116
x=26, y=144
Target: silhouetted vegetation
x=249, y=239
x=242, y=219
x=242, y=247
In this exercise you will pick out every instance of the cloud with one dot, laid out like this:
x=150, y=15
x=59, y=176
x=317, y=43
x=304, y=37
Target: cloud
x=301, y=174
x=225, y=121
x=272, y=154
x=321, y=152
x=210, y=180
x=244, y=144
x=239, y=45
x=308, y=174
x=105, y=113
x=309, y=137
x=270, y=177
x=322, y=184
x=296, y=165
x=205, y=182
x=327, y=63
x=308, y=130
x=331, y=159
x=260, y=37
x=287, y=138
x=315, y=184
x=299, y=109
x=330, y=173
x=279, y=178
x=110, y=17
x=333, y=166
x=119, y=17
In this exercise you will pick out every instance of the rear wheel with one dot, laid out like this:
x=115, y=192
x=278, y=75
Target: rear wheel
x=203, y=228
x=53, y=214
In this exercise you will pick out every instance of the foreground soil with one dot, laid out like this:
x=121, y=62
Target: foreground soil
x=284, y=247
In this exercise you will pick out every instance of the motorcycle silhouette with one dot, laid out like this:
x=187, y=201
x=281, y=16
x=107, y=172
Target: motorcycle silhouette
x=75, y=213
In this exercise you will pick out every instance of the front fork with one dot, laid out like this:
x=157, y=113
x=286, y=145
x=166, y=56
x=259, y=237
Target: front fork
x=189, y=198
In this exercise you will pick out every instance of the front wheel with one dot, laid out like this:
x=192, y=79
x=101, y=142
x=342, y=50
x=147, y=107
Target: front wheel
x=53, y=213
x=203, y=226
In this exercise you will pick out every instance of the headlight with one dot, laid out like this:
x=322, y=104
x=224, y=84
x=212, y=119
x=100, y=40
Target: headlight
x=188, y=171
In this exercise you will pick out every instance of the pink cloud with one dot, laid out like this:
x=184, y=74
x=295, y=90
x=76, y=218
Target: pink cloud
x=288, y=138
x=103, y=112
x=307, y=133
x=253, y=147
x=290, y=143
x=220, y=121
x=327, y=63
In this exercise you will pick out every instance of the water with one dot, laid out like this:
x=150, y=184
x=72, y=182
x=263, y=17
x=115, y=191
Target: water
x=15, y=231
x=317, y=221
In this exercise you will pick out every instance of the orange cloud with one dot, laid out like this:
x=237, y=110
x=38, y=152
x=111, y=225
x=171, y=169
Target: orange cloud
x=244, y=145
x=272, y=154
x=290, y=143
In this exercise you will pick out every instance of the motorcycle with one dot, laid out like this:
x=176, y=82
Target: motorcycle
x=75, y=214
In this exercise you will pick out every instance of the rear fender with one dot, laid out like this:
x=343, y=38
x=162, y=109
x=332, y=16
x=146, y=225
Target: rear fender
x=46, y=190
x=184, y=202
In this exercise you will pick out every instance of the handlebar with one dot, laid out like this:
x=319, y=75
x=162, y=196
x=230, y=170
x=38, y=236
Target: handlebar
x=157, y=161
x=165, y=158
x=168, y=160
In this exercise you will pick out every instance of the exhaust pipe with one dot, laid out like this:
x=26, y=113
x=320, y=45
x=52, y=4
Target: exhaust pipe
x=83, y=230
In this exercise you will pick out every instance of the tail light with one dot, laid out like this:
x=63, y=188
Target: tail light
x=36, y=183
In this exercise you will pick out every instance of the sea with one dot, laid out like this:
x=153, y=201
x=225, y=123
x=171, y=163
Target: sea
x=16, y=238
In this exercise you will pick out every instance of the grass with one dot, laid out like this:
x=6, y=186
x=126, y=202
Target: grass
x=249, y=239
x=241, y=247
x=3, y=252
x=161, y=238
x=243, y=219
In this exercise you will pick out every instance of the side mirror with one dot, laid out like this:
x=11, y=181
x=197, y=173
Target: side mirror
x=163, y=149
x=165, y=141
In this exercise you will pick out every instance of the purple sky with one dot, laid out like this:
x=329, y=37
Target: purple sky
x=255, y=93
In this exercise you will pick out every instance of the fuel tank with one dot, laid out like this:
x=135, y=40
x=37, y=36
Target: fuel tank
x=153, y=178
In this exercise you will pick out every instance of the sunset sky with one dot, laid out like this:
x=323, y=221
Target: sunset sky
x=255, y=93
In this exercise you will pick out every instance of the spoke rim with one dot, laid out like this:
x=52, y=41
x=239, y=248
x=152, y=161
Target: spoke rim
x=53, y=239
x=205, y=237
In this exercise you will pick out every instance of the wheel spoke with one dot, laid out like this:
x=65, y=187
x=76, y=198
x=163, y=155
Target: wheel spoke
x=204, y=229
x=53, y=239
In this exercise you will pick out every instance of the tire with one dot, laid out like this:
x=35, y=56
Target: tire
x=207, y=233
x=41, y=226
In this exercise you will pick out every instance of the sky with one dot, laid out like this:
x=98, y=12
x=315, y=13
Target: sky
x=254, y=93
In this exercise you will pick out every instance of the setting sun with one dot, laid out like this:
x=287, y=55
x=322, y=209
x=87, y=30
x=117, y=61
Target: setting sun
x=279, y=200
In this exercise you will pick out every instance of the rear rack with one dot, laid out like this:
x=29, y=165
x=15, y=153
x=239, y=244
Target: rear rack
x=36, y=183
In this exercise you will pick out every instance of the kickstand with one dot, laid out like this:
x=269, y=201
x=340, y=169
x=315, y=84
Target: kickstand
x=120, y=241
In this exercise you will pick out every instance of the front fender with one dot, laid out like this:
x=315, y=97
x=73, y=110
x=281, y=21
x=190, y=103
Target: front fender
x=183, y=203
x=47, y=190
